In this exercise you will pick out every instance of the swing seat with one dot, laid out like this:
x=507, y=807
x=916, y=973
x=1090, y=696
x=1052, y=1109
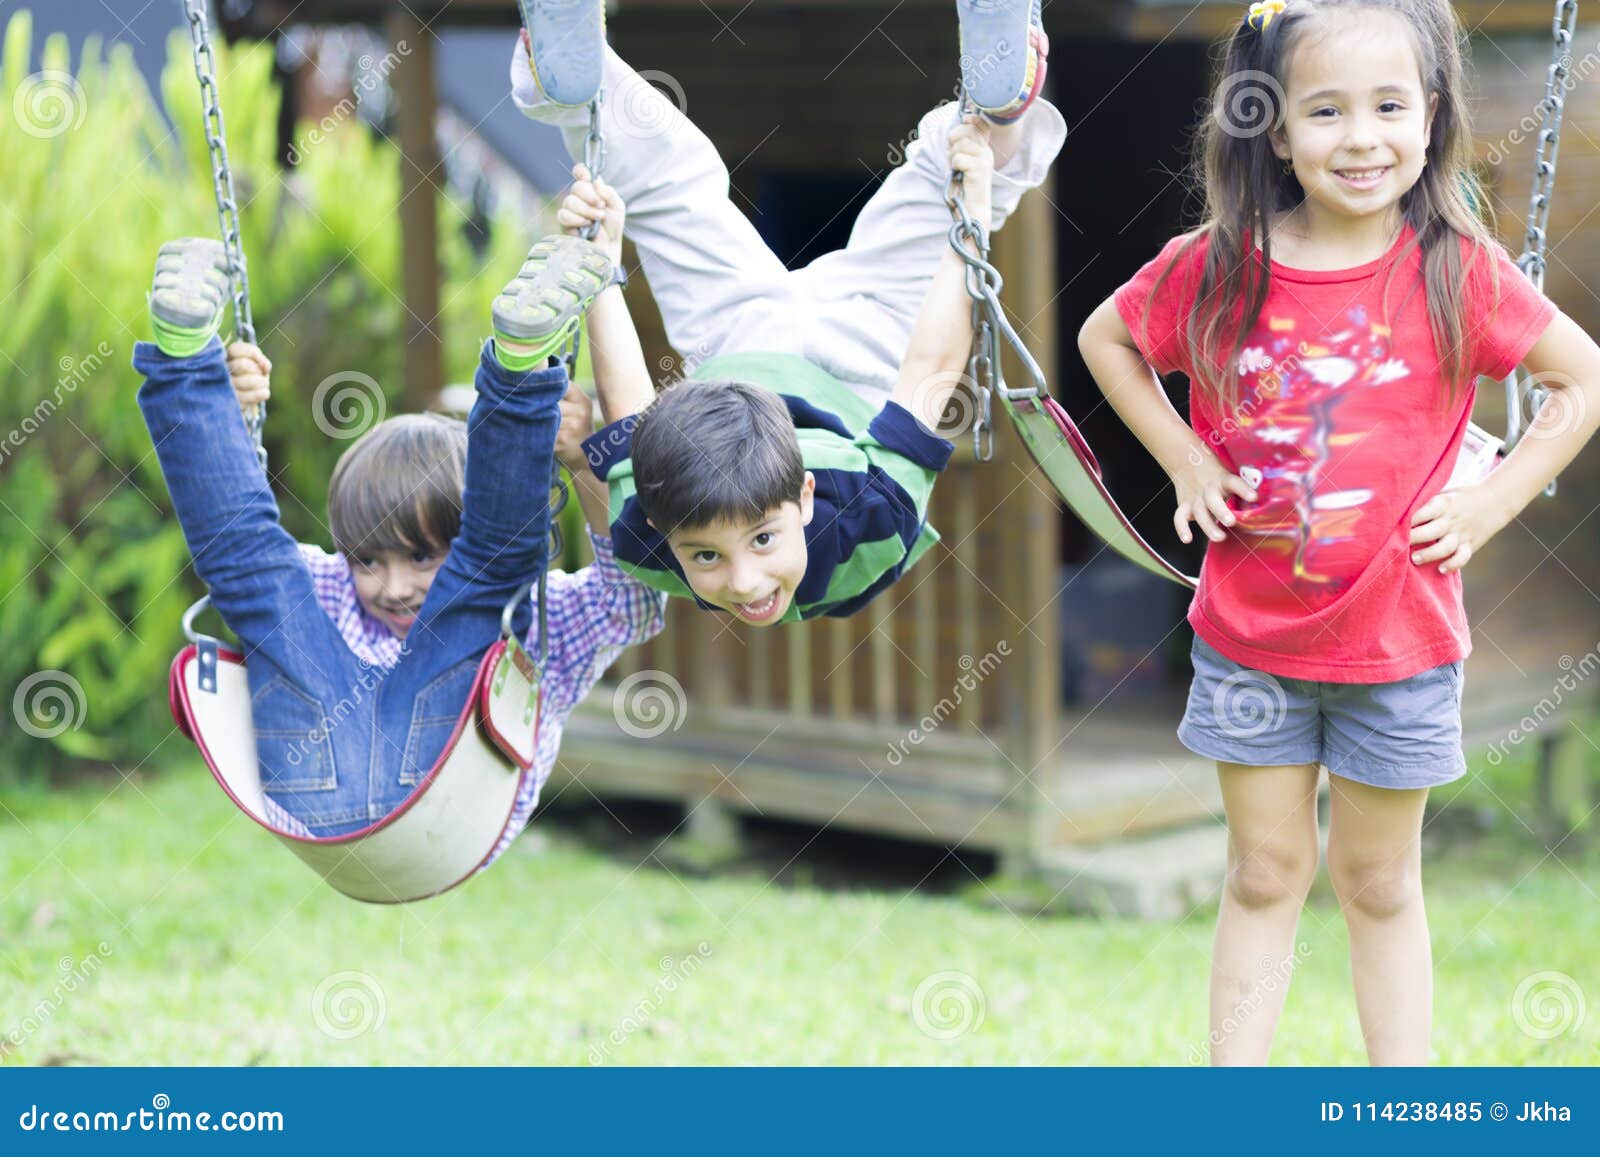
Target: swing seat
x=1061, y=452
x=445, y=829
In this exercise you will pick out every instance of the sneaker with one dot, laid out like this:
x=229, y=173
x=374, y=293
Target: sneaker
x=189, y=293
x=566, y=45
x=542, y=307
x=1003, y=55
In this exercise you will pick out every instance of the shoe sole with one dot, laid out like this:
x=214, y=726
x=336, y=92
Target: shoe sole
x=993, y=76
x=553, y=290
x=190, y=288
x=565, y=47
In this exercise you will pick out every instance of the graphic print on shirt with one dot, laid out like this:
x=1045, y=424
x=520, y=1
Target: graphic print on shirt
x=1286, y=435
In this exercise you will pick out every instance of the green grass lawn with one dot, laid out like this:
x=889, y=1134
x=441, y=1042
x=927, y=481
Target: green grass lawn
x=144, y=921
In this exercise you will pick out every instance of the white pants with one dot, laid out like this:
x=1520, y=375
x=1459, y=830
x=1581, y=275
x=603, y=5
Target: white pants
x=721, y=290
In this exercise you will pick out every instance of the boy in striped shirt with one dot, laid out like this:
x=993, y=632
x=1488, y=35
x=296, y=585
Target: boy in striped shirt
x=789, y=475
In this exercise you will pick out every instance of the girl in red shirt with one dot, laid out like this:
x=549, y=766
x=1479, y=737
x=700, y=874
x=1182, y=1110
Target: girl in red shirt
x=1332, y=315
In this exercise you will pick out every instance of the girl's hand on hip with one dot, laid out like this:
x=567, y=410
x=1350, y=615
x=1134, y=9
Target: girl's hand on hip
x=1203, y=487
x=1457, y=523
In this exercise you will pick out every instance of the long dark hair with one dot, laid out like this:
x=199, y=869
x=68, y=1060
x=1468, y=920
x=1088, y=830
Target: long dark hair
x=1246, y=186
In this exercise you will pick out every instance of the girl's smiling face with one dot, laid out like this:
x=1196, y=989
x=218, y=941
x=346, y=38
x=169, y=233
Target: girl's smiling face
x=1357, y=119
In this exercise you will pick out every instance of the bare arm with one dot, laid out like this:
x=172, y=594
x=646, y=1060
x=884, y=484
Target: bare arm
x=1458, y=522
x=941, y=340
x=577, y=423
x=622, y=378
x=593, y=497
x=1134, y=390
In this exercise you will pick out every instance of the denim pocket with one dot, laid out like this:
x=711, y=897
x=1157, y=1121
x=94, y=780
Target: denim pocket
x=433, y=718
x=292, y=743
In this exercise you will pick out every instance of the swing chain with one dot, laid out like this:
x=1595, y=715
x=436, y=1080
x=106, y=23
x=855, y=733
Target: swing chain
x=984, y=293
x=1533, y=259
x=205, y=71
x=594, y=158
x=594, y=153
x=990, y=324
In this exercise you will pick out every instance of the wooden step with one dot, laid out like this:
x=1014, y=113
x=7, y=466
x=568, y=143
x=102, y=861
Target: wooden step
x=1157, y=877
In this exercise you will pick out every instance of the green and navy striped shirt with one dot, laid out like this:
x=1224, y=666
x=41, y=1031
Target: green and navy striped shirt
x=869, y=519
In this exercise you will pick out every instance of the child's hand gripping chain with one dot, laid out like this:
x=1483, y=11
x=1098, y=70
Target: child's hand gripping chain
x=935, y=361
x=972, y=157
x=250, y=372
x=591, y=200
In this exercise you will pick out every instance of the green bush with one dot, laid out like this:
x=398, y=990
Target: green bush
x=94, y=574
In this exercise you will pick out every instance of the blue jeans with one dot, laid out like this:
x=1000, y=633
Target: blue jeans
x=341, y=743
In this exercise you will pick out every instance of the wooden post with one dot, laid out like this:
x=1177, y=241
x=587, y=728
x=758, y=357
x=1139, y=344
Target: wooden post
x=1030, y=679
x=413, y=81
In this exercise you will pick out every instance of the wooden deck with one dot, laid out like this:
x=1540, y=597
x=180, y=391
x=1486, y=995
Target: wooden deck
x=1115, y=771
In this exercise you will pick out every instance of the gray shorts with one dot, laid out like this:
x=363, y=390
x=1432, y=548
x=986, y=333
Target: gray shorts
x=1404, y=734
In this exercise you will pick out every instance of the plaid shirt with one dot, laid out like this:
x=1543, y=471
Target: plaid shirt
x=594, y=615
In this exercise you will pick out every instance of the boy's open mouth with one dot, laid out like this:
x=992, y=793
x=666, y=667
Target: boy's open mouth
x=759, y=611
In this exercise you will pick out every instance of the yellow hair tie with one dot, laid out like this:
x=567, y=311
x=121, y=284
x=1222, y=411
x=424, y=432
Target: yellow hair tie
x=1261, y=14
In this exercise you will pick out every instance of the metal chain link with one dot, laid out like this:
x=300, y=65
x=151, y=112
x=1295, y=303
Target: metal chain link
x=205, y=71
x=989, y=321
x=594, y=158
x=1520, y=392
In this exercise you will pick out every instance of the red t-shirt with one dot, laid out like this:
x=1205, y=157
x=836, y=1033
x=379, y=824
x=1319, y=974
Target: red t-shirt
x=1345, y=428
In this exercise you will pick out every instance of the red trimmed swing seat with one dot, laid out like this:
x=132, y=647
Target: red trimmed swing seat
x=447, y=828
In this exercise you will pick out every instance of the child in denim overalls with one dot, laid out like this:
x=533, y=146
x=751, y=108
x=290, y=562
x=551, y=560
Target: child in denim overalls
x=339, y=748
